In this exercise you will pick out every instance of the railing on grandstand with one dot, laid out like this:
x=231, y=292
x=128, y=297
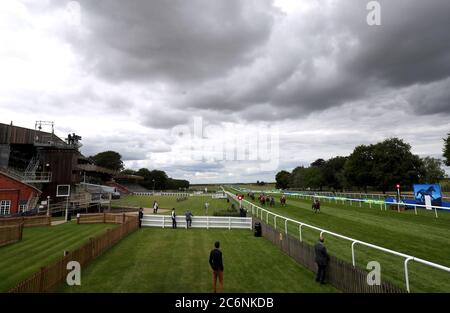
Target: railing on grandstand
x=263, y=213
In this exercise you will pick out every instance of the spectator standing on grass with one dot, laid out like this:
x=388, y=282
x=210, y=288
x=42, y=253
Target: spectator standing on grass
x=206, y=208
x=322, y=260
x=141, y=216
x=215, y=260
x=174, y=219
x=189, y=216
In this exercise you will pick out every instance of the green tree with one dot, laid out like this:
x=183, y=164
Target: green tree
x=282, y=179
x=447, y=150
x=128, y=172
x=359, y=165
x=108, y=159
x=296, y=180
x=393, y=162
x=432, y=170
x=313, y=177
x=318, y=163
x=333, y=172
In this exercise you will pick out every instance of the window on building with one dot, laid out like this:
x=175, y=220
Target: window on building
x=22, y=208
x=5, y=207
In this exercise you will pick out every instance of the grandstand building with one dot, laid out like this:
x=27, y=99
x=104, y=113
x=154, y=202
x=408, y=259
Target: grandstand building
x=44, y=161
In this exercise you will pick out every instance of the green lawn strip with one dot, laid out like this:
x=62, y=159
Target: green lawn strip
x=166, y=260
x=389, y=230
x=40, y=247
x=195, y=204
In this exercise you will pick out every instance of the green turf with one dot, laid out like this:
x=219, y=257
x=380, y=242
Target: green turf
x=166, y=260
x=39, y=247
x=422, y=236
x=193, y=203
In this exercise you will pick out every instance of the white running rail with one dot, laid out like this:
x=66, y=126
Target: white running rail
x=224, y=222
x=371, y=202
x=261, y=213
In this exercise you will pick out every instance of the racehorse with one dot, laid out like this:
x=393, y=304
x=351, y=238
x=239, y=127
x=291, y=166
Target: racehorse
x=316, y=206
x=283, y=200
x=426, y=192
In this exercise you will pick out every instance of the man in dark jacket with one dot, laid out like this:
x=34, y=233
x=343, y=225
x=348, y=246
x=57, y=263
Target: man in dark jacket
x=141, y=216
x=174, y=219
x=322, y=259
x=215, y=260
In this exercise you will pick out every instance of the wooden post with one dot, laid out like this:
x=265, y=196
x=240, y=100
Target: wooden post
x=123, y=218
x=41, y=280
x=21, y=231
x=104, y=218
x=91, y=243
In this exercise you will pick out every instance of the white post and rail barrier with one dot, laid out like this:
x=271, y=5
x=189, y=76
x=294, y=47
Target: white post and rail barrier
x=383, y=204
x=258, y=212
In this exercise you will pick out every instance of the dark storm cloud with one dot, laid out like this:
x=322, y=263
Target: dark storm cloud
x=433, y=98
x=243, y=58
x=330, y=56
x=181, y=41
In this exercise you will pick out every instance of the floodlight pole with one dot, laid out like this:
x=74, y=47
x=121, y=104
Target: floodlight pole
x=48, y=205
x=67, y=208
x=398, y=198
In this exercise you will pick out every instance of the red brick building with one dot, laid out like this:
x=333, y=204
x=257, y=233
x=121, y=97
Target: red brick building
x=15, y=195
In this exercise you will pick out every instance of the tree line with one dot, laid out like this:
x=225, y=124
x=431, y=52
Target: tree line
x=378, y=166
x=154, y=179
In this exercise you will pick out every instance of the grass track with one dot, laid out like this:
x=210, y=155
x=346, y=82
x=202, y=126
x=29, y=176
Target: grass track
x=39, y=247
x=194, y=203
x=422, y=236
x=166, y=260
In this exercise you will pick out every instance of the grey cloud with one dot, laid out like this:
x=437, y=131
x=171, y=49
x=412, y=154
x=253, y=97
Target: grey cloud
x=432, y=98
x=330, y=56
x=178, y=41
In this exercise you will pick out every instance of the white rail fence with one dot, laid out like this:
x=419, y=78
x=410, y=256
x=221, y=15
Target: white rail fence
x=172, y=194
x=223, y=222
x=261, y=213
x=371, y=202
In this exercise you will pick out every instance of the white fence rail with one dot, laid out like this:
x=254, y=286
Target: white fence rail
x=165, y=221
x=172, y=194
x=382, y=204
x=264, y=214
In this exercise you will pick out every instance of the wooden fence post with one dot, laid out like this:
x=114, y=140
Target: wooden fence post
x=91, y=248
x=104, y=218
x=21, y=231
x=41, y=280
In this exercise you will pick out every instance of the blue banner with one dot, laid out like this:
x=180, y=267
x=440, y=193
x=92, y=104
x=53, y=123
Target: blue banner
x=432, y=190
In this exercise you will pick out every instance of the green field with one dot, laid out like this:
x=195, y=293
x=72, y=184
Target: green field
x=166, y=260
x=422, y=236
x=194, y=203
x=39, y=247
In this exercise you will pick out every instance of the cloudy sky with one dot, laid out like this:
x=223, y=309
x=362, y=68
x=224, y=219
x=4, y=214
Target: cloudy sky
x=228, y=90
